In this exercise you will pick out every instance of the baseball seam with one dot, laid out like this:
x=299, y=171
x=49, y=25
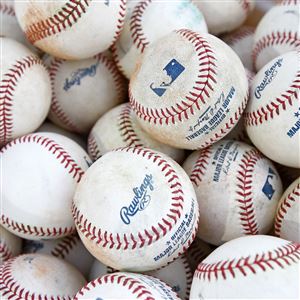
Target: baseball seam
x=199, y=93
x=120, y=21
x=127, y=132
x=64, y=247
x=138, y=37
x=200, y=166
x=148, y=236
x=287, y=203
x=275, y=38
x=270, y=110
x=280, y=257
x=244, y=191
x=133, y=285
x=5, y=252
x=239, y=35
x=188, y=276
x=14, y=291
x=8, y=86
x=93, y=148
x=245, y=6
x=7, y=9
x=196, y=253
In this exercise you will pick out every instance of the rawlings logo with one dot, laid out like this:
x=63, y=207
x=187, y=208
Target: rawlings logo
x=269, y=76
x=140, y=200
x=80, y=74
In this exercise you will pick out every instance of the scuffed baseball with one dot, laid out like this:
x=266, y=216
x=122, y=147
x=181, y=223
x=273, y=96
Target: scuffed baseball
x=39, y=276
x=272, y=117
x=69, y=248
x=287, y=221
x=237, y=188
x=261, y=267
x=277, y=33
x=10, y=245
x=83, y=90
x=135, y=209
x=25, y=91
x=225, y=16
x=126, y=286
x=42, y=171
x=142, y=28
x=119, y=128
x=189, y=90
x=70, y=29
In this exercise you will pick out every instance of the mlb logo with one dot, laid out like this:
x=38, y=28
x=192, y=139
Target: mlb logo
x=173, y=70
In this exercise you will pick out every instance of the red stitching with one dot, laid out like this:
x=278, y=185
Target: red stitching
x=148, y=236
x=67, y=16
x=239, y=35
x=56, y=108
x=120, y=21
x=289, y=2
x=133, y=284
x=196, y=252
x=65, y=245
x=189, y=276
x=7, y=87
x=270, y=110
x=197, y=96
x=93, y=149
x=244, y=191
x=276, y=38
x=5, y=252
x=287, y=203
x=200, y=166
x=280, y=257
x=245, y=5
x=137, y=35
x=7, y=9
x=10, y=288
x=126, y=129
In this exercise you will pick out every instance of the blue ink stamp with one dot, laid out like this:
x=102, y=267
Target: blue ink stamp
x=173, y=70
x=33, y=246
x=140, y=200
x=78, y=75
x=296, y=126
x=268, y=189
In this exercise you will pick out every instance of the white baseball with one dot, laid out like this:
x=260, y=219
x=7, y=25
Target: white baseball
x=10, y=245
x=225, y=16
x=190, y=89
x=41, y=171
x=50, y=127
x=276, y=34
x=287, y=221
x=252, y=267
x=153, y=221
x=71, y=29
x=39, y=276
x=142, y=28
x=69, y=248
x=119, y=128
x=126, y=286
x=237, y=188
x=83, y=90
x=272, y=116
x=25, y=91
x=241, y=41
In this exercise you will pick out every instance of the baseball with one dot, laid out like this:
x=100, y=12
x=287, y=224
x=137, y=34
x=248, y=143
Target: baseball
x=119, y=128
x=69, y=248
x=142, y=27
x=155, y=219
x=276, y=34
x=37, y=276
x=225, y=16
x=25, y=91
x=241, y=41
x=83, y=90
x=261, y=267
x=126, y=286
x=41, y=171
x=272, y=116
x=98, y=269
x=189, y=90
x=71, y=29
x=237, y=188
x=287, y=221
x=10, y=245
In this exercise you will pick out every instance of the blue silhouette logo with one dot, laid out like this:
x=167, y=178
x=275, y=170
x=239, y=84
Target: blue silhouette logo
x=173, y=69
x=268, y=189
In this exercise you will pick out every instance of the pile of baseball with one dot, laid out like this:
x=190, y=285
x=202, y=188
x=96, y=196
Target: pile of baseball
x=150, y=149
